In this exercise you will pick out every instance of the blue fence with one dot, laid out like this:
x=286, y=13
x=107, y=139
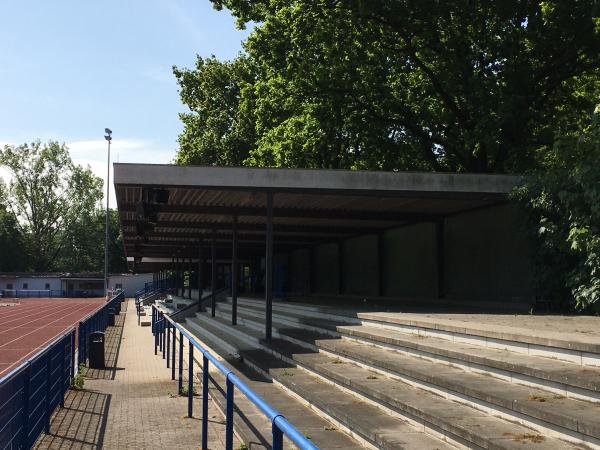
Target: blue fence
x=30, y=393
x=48, y=293
x=97, y=321
x=165, y=331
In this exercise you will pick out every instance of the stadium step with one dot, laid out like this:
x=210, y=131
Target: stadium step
x=364, y=424
x=542, y=371
x=539, y=405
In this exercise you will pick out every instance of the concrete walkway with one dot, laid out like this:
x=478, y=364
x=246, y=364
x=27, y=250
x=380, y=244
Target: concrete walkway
x=131, y=405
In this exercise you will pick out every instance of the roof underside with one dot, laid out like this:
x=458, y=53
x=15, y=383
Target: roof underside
x=170, y=210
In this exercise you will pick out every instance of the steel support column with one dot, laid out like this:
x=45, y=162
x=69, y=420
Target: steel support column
x=200, y=271
x=381, y=265
x=439, y=241
x=269, y=268
x=234, y=272
x=340, y=267
x=190, y=279
x=213, y=273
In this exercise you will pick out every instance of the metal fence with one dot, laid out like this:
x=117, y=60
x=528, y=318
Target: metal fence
x=49, y=293
x=165, y=331
x=30, y=393
x=97, y=321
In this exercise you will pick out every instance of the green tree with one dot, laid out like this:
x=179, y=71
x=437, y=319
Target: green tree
x=12, y=256
x=50, y=198
x=385, y=84
x=563, y=197
x=84, y=249
x=219, y=129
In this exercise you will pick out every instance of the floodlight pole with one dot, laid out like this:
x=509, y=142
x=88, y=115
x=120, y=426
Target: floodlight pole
x=108, y=137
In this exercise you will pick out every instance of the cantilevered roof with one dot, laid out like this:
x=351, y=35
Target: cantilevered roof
x=168, y=210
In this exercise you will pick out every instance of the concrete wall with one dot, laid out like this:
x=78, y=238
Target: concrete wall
x=360, y=266
x=409, y=259
x=326, y=268
x=486, y=257
x=130, y=283
x=299, y=271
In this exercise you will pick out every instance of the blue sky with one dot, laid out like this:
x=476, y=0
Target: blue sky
x=68, y=69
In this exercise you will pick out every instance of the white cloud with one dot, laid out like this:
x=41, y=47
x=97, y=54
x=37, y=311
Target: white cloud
x=94, y=153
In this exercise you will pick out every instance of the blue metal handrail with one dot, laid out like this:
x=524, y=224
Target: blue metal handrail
x=30, y=393
x=161, y=326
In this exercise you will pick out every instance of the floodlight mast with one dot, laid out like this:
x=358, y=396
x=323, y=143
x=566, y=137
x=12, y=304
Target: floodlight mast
x=108, y=137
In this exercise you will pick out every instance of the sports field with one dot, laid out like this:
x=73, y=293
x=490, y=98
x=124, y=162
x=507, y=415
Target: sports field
x=32, y=322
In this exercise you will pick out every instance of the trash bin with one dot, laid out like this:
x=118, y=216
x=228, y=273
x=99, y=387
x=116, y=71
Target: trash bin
x=111, y=316
x=96, y=349
x=117, y=308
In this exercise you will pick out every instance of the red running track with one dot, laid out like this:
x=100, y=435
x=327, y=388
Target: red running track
x=29, y=325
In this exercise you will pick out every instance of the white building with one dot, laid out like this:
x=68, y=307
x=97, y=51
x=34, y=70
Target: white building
x=29, y=284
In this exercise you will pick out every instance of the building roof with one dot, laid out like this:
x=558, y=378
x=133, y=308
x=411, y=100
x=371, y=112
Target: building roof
x=168, y=210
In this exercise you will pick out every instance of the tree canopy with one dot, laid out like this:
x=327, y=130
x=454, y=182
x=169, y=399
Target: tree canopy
x=385, y=84
x=50, y=212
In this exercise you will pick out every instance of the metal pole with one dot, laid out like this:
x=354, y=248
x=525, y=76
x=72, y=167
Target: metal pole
x=234, y=273
x=269, y=268
x=190, y=377
x=180, y=361
x=190, y=279
x=213, y=275
x=200, y=271
x=204, y=402
x=108, y=137
x=229, y=416
x=174, y=339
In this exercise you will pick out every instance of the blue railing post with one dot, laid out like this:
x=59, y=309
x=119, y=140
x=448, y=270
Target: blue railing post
x=174, y=339
x=162, y=332
x=47, y=396
x=168, y=333
x=26, y=405
x=204, y=402
x=73, y=354
x=180, y=362
x=229, y=416
x=277, y=436
x=190, y=378
x=63, y=378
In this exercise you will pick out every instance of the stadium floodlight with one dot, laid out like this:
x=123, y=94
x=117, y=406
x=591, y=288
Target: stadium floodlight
x=108, y=137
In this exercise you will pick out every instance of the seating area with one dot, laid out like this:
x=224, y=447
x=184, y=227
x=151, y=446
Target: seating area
x=411, y=381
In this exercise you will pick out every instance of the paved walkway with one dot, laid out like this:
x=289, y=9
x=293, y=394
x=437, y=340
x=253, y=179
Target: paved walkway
x=131, y=405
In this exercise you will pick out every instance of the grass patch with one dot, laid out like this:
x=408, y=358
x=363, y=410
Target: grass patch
x=78, y=380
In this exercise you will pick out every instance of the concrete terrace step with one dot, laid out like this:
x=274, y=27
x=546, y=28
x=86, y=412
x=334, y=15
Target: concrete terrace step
x=251, y=424
x=559, y=377
x=572, y=347
x=537, y=408
x=367, y=422
x=566, y=378
x=439, y=417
